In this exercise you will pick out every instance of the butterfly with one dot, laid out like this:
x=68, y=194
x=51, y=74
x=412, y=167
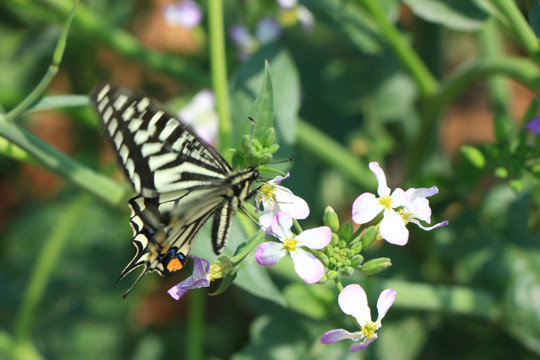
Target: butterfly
x=179, y=180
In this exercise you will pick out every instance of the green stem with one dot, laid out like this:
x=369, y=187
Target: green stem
x=49, y=75
x=451, y=299
x=46, y=262
x=195, y=324
x=334, y=154
x=520, y=69
x=219, y=71
x=518, y=25
x=297, y=226
x=427, y=84
x=250, y=245
x=58, y=163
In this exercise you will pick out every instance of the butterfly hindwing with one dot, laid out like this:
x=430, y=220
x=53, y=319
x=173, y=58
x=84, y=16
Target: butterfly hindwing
x=179, y=180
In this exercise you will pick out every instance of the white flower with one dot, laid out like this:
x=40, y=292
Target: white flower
x=201, y=114
x=306, y=265
x=398, y=207
x=353, y=301
x=275, y=198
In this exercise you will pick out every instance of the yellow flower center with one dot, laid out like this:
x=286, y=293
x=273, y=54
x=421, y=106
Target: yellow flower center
x=404, y=215
x=290, y=244
x=267, y=190
x=386, y=201
x=369, y=330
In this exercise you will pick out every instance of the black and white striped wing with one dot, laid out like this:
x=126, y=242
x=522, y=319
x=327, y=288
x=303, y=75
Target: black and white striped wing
x=179, y=180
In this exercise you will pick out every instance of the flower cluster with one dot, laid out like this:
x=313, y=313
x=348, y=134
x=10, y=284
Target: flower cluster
x=332, y=251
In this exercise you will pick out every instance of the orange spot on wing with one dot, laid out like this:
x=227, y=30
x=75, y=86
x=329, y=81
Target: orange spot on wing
x=174, y=265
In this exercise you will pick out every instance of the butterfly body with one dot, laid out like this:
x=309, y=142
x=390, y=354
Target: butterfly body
x=179, y=180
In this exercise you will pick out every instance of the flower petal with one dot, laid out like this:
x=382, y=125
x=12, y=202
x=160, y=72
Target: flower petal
x=428, y=228
x=386, y=299
x=290, y=203
x=199, y=279
x=383, y=189
x=265, y=221
x=336, y=335
x=307, y=266
x=534, y=125
x=361, y=346
x=281, y=225
x=316, y=238
x=393, y=228
x=353, y=301
x=186, y=13
x=269, y=253
x=365, y=208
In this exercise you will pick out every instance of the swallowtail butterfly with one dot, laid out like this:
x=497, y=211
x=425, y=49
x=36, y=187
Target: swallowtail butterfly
x=179, y=180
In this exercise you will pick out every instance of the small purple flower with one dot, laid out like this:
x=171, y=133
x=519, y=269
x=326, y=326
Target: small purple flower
x=534, y=125
x=199, y=279
x=398, y=207
x=186, y=13
x=353, y=301
x=306, y=265
x=201, y=114
x=275, y=198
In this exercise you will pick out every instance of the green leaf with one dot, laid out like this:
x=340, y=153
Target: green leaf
x=459, y=15
x=285, y=82
x=521, y=306
x=312, y=301
x=254, y=279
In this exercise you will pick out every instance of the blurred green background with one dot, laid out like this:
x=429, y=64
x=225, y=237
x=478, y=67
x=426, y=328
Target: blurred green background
x=407, y=84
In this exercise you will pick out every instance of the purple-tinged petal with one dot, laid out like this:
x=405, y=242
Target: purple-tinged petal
x=336, y=335
x=265, y=221
x=365, y=208
x=386, y=299
x=278, y=179
x=281, y=225
x=199, y=279
x=316, y=238
x=383, y=189
x=428, y=228
x=534, y=125
x=361, y=346
x=307, y=266
x=201, y=114
x=269, y=253
x=353, y=301
x=186, y=13
x=393, y=229
x=421, y=192
x=268, y=30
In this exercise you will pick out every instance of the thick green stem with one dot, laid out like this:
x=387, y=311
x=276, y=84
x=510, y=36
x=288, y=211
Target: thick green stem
x=427, y=84
x=522, y=70
x=219, y=71
x=195, y=323
x=58, y=163
x=517, y=25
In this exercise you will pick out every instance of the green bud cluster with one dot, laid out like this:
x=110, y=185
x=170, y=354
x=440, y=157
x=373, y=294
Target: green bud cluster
x=343, y=255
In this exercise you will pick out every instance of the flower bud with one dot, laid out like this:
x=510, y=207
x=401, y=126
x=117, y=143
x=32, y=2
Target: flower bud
x=324, y=259
x=375, y=266
x=342, y=244
x=331, y=219
x=356, y=248
x=268, y=137
x=346, y=271
x=220, y=267
x=331, y=274
x=369, y=236
x=335, y=240
x=357, y=260
x=346, y=231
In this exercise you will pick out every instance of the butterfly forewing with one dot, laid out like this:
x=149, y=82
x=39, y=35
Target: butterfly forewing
x=179, y=180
